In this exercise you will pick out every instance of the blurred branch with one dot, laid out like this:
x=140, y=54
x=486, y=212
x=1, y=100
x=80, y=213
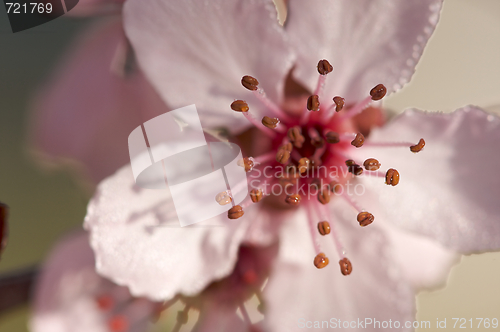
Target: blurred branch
x=16, y=288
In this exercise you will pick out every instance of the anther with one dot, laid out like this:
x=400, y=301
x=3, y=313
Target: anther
x=288, y=147
x=378, y=92
x=320, y=261
x=235, y=212
x=365, y=218
x=239, y=106
x=118, y=323
x=332, y=137
x=250, y=83
x=324, y=67
x=339, y=103
x=345, y=266
x=418, y=147
x=295, y=136
x=324, y=227
x=324, y=196
x=304, y=165
x=317, y=142
x=247, y=163
x=353, y=168
x=256, y=195
x=392, y=177
x=223, y=198
x=313, y=103
x=335, y=187
x=293, y=199
x=270, y=123
x=371, y=164
x=358, y=141
x=282, y=156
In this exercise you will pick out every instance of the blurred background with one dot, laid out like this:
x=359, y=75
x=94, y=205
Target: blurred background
x=461, y=65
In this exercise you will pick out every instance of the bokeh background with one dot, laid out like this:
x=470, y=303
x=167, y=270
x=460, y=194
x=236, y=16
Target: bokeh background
x=461, y=65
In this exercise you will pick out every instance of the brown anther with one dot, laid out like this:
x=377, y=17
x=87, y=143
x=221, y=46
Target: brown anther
x=288, y=147
x=339, y=103
x=256, y=195
x=335, y=187
x=317, y=142
x=371, y=164
x=324, y=196
x=250, y=83
x=353, y=168
x=332, y=137
x=358, y=141
x=304, y=165
x=247, y=163
x=392, y=177
x=324, y=227
x=235, y=212
x=378, y=92
x=294, y=134
x=365, y=218
x=270, y=122
x=313, y=103
x=345, y=266
x=282, y=156
x=418, y=147
x=324, y=67
x=320, y=261
x=239, y=106
x=223, y=198
x=293, y=199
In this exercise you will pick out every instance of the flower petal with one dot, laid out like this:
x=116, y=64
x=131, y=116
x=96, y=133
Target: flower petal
x=66, y=292
x=368, y=42
x=197, y=52
x=450, y=190
x=86, y=112
x=138, y=241
x=297, y=292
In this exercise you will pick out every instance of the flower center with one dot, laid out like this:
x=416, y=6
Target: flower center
x=309, y=161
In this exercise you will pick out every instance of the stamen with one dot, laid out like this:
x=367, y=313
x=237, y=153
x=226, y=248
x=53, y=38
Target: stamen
x=287, y=146
x=235, y=212
x=263, y=158
x=316, y=140
x=324, y=196
x=332, y=137
x=345, y=266
x=339, y=103
x=256, y=195
x=336, y=241
x=304, y=165
x=353, y=168
x=365, y=218
x=270, y=123
x=371, y=164
x=335, y=187
x=320, y=261
x=239, y=106
x=182, y=318
x=324, y=227
x=118, y=323
x=248, y=163
x=250, y=83
x=324, y=67
x=418, y=147
x=282, y=156
x=293, y=200
x=313, y=103
x=392, y=177
x=295, y=136
x=358, y=141
x=258, y=125
x=378, y=92
x=223, y=198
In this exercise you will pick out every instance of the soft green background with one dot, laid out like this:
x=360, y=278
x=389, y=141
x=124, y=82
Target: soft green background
x=460, y=66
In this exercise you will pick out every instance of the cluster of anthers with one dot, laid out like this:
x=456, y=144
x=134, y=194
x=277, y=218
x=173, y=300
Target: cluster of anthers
x=301, y=146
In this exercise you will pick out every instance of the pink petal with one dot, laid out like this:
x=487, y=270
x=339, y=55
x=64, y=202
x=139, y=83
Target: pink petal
x=66, y=291
x=450, y=190
x=197, y=52
x=138, y=241
x=86, y=112
x=368, y=42
x=298, y=292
